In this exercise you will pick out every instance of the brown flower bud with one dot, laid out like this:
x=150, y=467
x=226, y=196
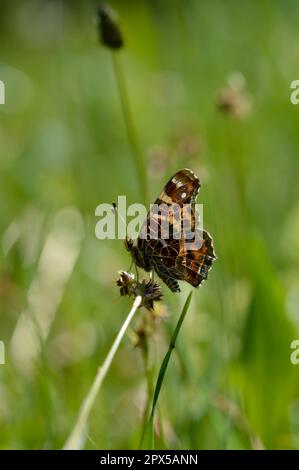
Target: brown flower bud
x=150, y=292
x=126, y=283
x=108, y=27
x=233, y=99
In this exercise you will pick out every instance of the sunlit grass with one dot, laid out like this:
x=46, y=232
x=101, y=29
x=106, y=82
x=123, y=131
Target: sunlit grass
x=64, y=146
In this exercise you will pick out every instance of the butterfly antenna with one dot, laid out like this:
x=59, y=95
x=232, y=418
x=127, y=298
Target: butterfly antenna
x=116, y=211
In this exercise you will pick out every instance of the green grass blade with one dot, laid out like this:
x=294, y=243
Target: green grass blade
x=148, y=441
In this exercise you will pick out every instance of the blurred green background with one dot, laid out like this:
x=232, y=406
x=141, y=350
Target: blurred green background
x=209, y=84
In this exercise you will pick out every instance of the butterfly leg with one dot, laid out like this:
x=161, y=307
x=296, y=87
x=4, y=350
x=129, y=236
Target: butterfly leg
x=137, y=272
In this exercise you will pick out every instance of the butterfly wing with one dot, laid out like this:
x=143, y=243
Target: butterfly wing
x=181, y=189
x=195, y=258
x=161, y=236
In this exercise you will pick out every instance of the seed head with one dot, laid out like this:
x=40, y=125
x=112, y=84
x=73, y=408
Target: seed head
x=126, y=283
x=108, y=27
x=149, y=290
x=233, y=98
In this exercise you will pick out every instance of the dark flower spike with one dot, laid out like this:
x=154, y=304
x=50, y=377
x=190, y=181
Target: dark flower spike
x=233, y=98
x=126, y=283
x=108, y=27
x=150, y=292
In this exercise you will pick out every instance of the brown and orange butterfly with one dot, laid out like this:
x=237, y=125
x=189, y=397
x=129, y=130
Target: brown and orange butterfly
x=177, y=255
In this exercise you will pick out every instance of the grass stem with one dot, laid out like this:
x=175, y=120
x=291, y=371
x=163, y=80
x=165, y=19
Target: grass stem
x=131, y=129
x=77, y=437
x=149, y=434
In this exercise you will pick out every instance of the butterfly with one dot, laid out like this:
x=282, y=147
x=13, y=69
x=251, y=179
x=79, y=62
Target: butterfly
x=169, y=242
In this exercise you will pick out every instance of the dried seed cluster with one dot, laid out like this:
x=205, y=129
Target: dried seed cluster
x=108, y=27
x=149, y=290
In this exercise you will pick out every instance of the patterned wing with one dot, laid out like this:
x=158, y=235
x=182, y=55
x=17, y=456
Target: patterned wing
x=162, y=255
x=165, y=217
x=195, y=258
x=160, y=237
x=181, y=189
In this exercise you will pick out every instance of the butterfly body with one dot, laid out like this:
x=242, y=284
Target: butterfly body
x=164, y=245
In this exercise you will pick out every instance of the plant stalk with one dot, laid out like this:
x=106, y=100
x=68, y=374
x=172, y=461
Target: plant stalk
x=77, y=437
x=149, y=434
x=131, y=129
